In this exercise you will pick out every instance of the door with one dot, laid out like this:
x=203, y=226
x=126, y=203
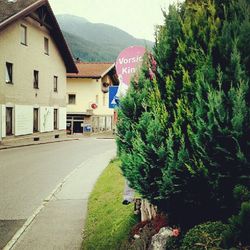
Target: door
x=9, y=121
x=35, y=119
x=55, y=119
x=77, y=127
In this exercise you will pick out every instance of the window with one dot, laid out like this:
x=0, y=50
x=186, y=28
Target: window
x=9, y=73
x=9, y=121
x=36, y=79
x=46, y=45
x=72, y=99
x=35, y=119
x=55, y=119
x=23, y=35
x=55, y=84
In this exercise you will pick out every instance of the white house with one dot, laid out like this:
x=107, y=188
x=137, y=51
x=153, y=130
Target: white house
x=34, y=60
x=88, y=97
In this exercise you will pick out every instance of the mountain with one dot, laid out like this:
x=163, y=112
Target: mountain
x=95, y=42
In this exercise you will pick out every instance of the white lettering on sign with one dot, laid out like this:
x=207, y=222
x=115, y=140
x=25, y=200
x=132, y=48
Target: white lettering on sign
x=128, y=70
x=130, y=60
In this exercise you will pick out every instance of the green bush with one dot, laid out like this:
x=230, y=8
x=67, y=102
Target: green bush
x=174, y=243
x=241, y=194
x=204, y=236
x=238, y=233
x=184, y=134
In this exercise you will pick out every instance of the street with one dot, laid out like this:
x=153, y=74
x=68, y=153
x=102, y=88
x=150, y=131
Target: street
x=28, y=175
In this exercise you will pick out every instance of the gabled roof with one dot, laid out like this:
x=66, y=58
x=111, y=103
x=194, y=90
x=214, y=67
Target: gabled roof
x=92, y=70
x=11, y=11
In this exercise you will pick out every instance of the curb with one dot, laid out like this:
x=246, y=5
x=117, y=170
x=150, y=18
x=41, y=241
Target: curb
x=34, y=144
x=105, y=138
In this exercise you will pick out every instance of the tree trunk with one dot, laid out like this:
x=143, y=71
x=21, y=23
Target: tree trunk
x=148, y=211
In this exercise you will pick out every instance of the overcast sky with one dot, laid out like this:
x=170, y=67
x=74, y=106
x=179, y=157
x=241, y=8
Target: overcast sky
x=137, y=17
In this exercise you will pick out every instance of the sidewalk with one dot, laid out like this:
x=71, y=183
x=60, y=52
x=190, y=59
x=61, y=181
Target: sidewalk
x=58, y=222
x=29, y=142
x=100, y=135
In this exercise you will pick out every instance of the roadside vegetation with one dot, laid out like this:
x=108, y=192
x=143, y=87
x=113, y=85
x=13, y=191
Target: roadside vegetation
x=108, y=222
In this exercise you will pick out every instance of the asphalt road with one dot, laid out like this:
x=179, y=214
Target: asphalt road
x=29, y=174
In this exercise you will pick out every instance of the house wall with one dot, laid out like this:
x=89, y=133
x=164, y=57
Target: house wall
x=21, y=95
x=86, y=91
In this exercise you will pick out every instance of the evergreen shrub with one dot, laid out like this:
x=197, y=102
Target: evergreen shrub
x=204, y=236
x=184, y=125
x=238, y=232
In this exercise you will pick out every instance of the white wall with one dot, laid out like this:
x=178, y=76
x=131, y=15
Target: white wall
x=62, y=118
x=25, y=60
x=21, y=95
x=46, y=119
x=86, y=91
x=23, y=119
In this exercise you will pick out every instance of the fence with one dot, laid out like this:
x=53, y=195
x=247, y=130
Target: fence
x=102, y=123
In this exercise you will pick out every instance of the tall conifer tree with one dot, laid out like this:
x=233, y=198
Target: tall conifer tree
x=184, y=135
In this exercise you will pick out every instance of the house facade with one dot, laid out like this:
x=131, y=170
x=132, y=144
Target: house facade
x=88, y=97
x=34, y=60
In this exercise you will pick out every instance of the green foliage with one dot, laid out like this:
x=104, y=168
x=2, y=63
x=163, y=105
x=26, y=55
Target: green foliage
x=238, y=233
x=241, y=193
x=166, y=45
x=174, y=243
x=204, y=236
x=184, y=136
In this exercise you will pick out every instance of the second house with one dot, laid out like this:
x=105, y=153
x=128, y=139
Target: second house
x=88, y=105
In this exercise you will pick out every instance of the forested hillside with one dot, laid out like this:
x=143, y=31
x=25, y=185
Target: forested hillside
x=95, y=41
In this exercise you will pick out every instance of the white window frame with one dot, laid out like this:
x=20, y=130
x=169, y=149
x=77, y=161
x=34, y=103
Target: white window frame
x=55, y=118
x=9, y=73
x=23, y=34
x=46, y=46
x=38, y=114
x=12, y=120
x=55, y=83
x=71, y=103
x=36, y=79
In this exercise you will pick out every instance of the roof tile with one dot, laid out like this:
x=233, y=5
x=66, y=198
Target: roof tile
x=12, y=11
x=8, y=9
x=91, y=70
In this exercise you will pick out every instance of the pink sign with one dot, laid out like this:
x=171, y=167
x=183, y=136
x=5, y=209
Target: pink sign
x=127, y=63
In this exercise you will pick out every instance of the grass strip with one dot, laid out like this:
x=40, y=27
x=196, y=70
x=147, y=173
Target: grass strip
x=108, y=221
